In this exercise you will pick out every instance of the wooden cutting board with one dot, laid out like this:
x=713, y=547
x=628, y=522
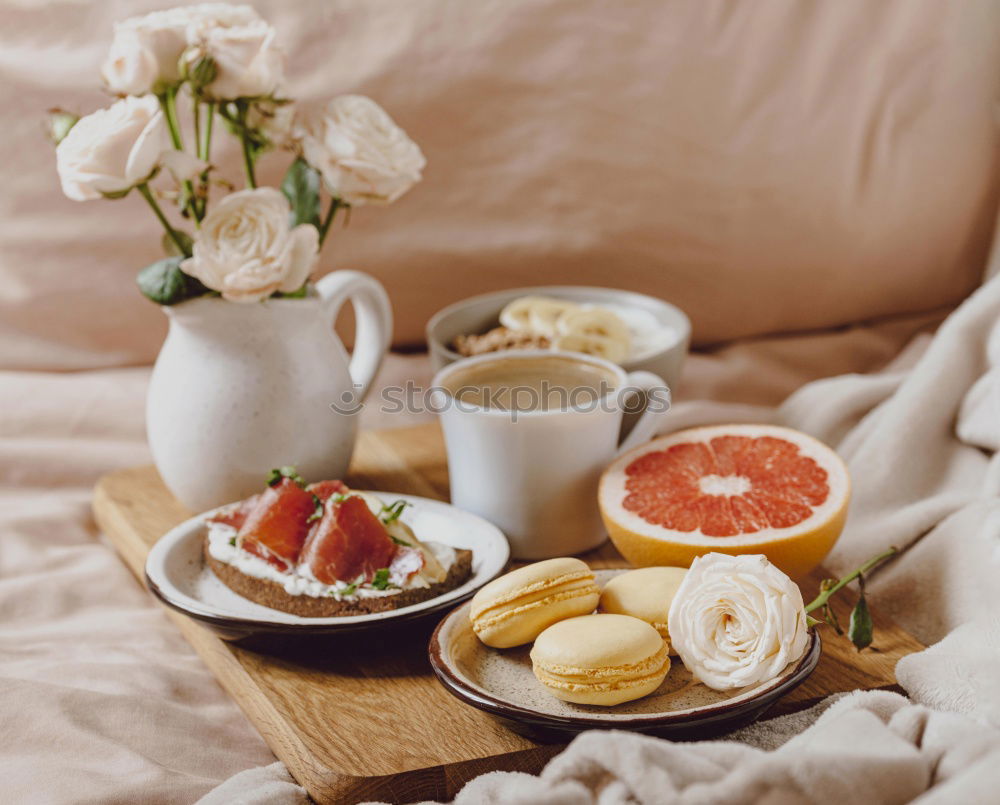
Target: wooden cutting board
x=370, y=721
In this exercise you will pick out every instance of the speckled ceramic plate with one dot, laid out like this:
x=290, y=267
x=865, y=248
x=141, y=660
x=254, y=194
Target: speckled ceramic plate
x=501, y=683
x=177, y=574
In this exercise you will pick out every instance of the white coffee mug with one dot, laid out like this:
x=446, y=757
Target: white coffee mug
x=535, y=475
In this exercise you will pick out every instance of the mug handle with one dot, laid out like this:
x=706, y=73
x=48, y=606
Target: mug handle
x=373, y=317
x=645, y=429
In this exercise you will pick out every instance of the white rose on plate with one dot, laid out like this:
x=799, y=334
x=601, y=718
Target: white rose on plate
x=246, y=251
x=112, y=150
x=737, y=620
x=362, y=155
x=248, y=61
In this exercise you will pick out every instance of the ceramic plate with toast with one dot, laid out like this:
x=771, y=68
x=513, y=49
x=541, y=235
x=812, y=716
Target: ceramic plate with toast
x=210, y=567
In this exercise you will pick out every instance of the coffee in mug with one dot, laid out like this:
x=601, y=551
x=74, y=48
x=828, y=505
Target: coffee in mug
x=528, y=435
x=539, y=383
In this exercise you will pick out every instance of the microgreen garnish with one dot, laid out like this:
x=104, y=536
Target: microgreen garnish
x=349, y=589
x=285, y=472
x=399, y=541
x=339, y=497
x=391, y=512
x=381, y=580
x=317, y=512
x=232, y=541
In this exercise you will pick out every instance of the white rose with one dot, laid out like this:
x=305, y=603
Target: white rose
x=363, y=156
x=131, y=67
x=275, y=120
x=146, y=51
x=248, y=62
x=737, y=620
x=245, y=250
x=113, y=149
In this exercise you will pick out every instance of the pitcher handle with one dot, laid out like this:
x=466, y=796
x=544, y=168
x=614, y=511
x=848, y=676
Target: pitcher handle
x=657, y=405
x=373, y=317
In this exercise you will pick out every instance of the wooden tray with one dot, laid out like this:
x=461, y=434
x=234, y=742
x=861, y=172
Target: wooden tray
x=372, y=722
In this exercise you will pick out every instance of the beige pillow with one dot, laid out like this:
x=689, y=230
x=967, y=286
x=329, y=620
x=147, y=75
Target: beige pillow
x=768, y=166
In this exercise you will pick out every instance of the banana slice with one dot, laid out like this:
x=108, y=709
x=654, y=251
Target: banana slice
x=535, y=314
x=601, y=346
x=594, y=321
x=546, y=315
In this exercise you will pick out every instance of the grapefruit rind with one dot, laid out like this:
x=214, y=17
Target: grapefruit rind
x=796, y=550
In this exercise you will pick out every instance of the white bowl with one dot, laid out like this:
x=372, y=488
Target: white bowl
x=477, y=314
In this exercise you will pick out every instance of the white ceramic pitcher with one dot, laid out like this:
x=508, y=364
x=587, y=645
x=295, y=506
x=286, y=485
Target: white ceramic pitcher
x=240, y=388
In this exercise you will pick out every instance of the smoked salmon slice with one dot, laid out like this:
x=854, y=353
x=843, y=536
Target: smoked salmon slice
x=276, y=527
x=236, y=514
x=324, y=490
x=348, y=543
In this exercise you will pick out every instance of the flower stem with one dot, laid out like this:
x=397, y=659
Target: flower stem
x=248, y=165
x=248, y=156
x=196, y=115
x=824, y=596
x=169, y=106
x=168, y=102
x=324, y=227
x=204, y=147
x=171, y=232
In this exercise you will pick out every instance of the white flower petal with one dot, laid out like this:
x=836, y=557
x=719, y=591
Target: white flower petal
x=303, y=256
x=112, y=149
x=737, y=621
x=245, y=251
x=182, y=165
x=362, y=155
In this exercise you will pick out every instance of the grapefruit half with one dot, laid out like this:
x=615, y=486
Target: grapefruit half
x=727, y=488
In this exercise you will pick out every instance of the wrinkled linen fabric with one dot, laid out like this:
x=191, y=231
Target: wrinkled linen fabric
x=769, y=166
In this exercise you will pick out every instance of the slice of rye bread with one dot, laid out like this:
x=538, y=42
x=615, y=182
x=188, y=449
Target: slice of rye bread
x=271, y=594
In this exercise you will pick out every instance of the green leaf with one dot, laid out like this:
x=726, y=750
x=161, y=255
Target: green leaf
x=349, y=589
x=166, y=284
x=59, y=124
x=117, y=194
x=391, y=512
x=381, y=580
x=301, y=188
x=232, y=541
x=398, y=541
x=285, y=472
x=317, y=512
x=301, y=293
x=860, y=629
x=170, y=248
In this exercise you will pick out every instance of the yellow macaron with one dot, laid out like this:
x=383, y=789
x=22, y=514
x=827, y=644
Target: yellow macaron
x=600, y=659
x=646, y=594
x=515, y=608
